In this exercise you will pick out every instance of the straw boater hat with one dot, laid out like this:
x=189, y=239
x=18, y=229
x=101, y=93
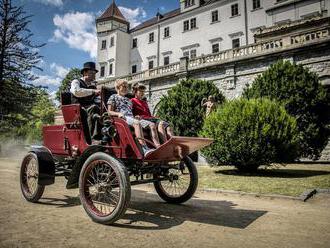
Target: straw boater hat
x=89, y=66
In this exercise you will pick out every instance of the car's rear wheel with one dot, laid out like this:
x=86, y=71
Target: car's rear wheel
x=29, y=178
x=104, y=188
x=181, y=183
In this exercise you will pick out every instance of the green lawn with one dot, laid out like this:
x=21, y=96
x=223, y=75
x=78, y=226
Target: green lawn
x=290, y=180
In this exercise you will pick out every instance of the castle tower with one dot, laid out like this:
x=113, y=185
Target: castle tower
x=113, y=43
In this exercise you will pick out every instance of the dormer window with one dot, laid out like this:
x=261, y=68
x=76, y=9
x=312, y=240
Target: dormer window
x=189, y=3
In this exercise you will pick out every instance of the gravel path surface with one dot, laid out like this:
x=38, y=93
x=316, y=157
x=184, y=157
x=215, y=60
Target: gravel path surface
x=207, y=220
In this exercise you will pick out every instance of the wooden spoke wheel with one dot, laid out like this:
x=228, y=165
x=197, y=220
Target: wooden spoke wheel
x=181, y=184
x=29, y=176
x=104, y=188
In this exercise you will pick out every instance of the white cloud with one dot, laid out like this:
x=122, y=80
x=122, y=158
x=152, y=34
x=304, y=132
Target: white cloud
x=55, y=75
x=46, y=80
x=59, y=70
x=56, y=3
x=77, y=30
x=134, y=16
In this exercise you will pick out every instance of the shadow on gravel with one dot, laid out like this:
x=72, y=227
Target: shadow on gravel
x=68, y=201
x=148, y=212
x=280, y=173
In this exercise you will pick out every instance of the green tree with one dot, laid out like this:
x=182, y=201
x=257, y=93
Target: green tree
x=42, y=113
x=299, y=90
x=74, y=73
x=18, y=55
x=250, y=133
x=15, y=106
x=182, y=105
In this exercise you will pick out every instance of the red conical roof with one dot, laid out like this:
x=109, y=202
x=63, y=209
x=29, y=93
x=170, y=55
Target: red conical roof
x=112, y=12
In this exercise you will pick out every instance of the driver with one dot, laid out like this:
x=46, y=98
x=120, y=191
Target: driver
x=88, y=96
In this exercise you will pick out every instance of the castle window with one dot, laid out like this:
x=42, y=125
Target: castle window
x=193, y=53
x=234, y=9
x=236, y=43
x=256, y=4
x=215, y=48
x=166, y=32
x=166, y=60
x=112, y=41
x=104, y=44
x=134, y=43
x=110, y=69
x=185, y=25
x=151, y=64
x=192, y=23
x=215, y=16
x=186, y=54
x=189, y=3
x=133, y=69
x=151, y=37
x=102, y=72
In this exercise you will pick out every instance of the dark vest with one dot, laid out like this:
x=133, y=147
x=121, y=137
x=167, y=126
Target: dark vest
x=87, y=100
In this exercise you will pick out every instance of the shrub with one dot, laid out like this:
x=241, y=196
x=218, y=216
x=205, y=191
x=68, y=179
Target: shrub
x=303, y=97
x=250, y=133
x=182, y=106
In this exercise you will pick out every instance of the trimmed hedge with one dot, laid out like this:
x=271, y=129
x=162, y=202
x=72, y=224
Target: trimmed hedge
x=304, y=98
x=250, y=133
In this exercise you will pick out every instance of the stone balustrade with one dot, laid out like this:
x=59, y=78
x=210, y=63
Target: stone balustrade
x=309, y=37
x=261, y=48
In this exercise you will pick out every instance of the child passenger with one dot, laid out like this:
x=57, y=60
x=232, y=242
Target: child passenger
x=141, y=111
x=119, y=105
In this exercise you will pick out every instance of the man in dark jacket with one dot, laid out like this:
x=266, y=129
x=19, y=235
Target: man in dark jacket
x=88, y=96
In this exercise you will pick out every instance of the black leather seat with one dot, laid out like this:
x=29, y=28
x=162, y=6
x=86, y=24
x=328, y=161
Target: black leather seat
x=66, y=98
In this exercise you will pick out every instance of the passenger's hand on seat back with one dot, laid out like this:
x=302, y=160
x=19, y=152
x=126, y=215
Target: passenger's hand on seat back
x=97, y=92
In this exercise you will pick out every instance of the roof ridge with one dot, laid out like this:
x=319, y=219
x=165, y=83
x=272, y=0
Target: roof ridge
x=112, y=12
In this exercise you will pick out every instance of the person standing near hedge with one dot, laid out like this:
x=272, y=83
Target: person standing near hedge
x=141, y=111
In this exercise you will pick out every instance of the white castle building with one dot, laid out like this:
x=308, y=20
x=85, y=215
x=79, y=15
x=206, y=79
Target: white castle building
x=197, y=28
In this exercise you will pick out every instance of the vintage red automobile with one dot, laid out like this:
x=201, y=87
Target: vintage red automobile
x=104, y=173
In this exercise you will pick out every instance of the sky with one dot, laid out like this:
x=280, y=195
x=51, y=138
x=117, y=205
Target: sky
x=68, y=29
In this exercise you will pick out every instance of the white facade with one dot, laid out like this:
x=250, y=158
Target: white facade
x=234, y=24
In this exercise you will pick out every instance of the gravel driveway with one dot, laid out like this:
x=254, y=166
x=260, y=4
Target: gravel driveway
x=207, y=220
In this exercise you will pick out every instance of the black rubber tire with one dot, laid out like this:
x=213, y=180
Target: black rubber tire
x=125, y=193
x=37, y=194
x=190, y=190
